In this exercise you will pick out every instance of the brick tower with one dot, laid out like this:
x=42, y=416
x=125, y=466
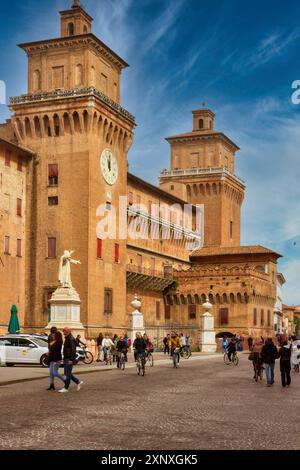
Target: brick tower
x=202, y=172
x=72, y=118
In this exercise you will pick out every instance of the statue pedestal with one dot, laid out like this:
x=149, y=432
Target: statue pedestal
x=65, y=310
x=207, y=333
x=136, y=320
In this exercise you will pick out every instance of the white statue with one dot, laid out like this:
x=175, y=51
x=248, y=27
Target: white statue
x=64, y=274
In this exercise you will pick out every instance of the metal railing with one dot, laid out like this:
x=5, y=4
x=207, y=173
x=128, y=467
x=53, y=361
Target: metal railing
x=166, y=273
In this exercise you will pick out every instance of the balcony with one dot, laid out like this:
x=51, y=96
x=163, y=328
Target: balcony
x=200, y=171
x=148, y=279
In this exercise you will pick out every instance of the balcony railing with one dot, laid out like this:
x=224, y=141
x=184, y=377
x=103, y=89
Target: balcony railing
x=149, y=279
x=199, y=171
x=70, y=93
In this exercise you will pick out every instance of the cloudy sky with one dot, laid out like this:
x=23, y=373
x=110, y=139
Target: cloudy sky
x=239, y=57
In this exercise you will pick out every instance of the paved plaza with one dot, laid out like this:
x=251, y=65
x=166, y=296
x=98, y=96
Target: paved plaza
x=202, y=405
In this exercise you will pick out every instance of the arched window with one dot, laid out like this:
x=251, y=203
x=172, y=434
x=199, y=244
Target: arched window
x=85, y=30
x=71, y=29
x=93, y=76
x=201, y=124
x=36, y=80
x=79, y=75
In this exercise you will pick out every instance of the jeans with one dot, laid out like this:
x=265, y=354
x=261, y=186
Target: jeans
x=105, y=352
x=69, y=375
x=285, y=369
x=54, y=372
x=172, y=352
x=166, y=349
x=270, y=373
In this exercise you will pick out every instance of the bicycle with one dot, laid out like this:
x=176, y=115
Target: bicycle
x=140, y=364
x=83, y=355
x=186, y=352
x=122, y=362
x=175, y=357
x=234, y=359
x=149, y=358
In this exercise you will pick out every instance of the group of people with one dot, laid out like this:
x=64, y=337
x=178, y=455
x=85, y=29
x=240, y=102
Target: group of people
x=238, y=341
x=62, y=351
x=173, y=340
x=264, y=354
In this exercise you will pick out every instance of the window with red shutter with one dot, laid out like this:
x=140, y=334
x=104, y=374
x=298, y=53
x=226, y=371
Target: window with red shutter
x=224, y=316
x=269, y=318
x=130, y=198
x=19, y=247
x=167, y=312
x=192, y=312
x=53, y=174
x=108, y=301
x=7, y=157
x=140, y=263
x=51, y=247
x=19, y=207
x=117, y=253
x=138, y=202
x=20, y=164
x=99, y=248
x=255, y=317
x=6, y=245
x=157, y=309
x=262, y=318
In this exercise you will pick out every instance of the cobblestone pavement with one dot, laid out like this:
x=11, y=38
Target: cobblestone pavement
x=202, y=405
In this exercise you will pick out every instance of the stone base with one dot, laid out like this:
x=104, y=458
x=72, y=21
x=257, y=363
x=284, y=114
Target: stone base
x=65, y=311
x=137, y=324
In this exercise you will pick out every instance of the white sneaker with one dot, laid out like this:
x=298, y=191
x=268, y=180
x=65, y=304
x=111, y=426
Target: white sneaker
x=79, y=386
x=63, y=390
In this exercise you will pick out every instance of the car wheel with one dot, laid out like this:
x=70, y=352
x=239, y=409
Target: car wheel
x=44, y=361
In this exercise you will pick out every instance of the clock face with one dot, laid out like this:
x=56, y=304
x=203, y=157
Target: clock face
x=109, y=166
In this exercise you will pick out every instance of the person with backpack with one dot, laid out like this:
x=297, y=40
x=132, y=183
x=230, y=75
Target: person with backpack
x=269, y=354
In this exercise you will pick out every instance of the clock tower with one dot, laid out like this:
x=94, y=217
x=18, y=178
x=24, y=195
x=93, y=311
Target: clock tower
x=73, y=120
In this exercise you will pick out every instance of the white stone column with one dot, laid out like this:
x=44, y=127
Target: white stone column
x=137, y=319
x=207, y=333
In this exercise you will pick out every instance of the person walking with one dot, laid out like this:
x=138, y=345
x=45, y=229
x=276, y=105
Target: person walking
x=250, y=342
x=269, y=354
x=107, y=345
x=69, y=353
x=285, y=363
x=55, y=343
x=257, y=361
x=166, y=344
x=99, y=346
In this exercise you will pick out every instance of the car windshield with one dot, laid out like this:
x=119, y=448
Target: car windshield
x=40, y=342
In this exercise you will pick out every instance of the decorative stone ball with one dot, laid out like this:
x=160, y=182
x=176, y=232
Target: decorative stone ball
x=207, y=305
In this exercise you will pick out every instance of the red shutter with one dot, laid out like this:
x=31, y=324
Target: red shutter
x=20, y=164
x=6, y=245
x=262, y=319
x=53, y=174
x=99, y=248
x=223, y=316
x=130, y=198
x=255, y=317
x=192, y=312
x=51, y=247
x=117, y=253
x=19, y=207
x=269, y=318
x=157, y=310
x=19, y=247
x=7, y=158
x=167, y=312
x=140, y=263
x=108, y=301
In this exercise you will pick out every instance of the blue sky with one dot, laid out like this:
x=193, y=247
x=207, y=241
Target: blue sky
x=239, y=57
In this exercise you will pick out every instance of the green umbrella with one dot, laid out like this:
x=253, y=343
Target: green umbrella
x=14, y=326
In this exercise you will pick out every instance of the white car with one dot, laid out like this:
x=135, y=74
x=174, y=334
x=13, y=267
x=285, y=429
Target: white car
x=22, y=349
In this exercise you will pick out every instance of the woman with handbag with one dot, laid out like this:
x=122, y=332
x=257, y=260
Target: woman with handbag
x=55, y=343
x=255, y=357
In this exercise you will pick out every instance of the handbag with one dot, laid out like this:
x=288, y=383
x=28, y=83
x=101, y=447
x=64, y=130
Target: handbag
x=251, y=356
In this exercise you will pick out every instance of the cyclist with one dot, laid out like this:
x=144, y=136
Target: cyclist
x=175, y=343
x=139, y=346
x=148, y=343
x=107, y=345
x=121, y=348
x=231, y=348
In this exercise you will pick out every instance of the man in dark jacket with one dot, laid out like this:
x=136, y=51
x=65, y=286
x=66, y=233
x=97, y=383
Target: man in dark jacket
x=231, y=348
x=269, y=354
x=166, y=344
x=69, y=354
